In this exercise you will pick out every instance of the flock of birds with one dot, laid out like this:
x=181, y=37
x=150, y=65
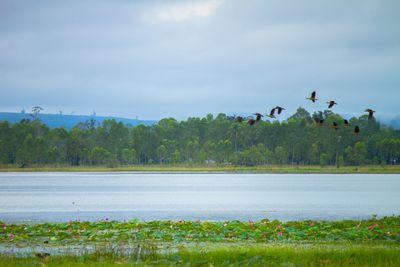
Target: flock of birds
x=319, y=121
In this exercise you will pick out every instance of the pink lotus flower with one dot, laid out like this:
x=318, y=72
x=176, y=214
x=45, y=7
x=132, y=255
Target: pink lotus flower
x=373, y=226
x=312, y=224
x=11, y=236
x=4, y=225
x=181, y=221
x=280, y=233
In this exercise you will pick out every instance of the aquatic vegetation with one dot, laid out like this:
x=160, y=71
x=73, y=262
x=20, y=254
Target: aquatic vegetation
x=373, y=242
x=383, y=229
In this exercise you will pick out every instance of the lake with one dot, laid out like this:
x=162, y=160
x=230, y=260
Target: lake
x=63, y=196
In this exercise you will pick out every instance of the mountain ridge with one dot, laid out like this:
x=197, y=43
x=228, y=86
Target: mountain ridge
x=68, y=121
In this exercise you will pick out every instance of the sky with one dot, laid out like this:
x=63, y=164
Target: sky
x=157, y=59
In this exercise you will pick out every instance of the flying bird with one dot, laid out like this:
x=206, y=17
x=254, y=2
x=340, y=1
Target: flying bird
x=319, y=121
x=346, y=123
x=356, y=130
x=251, y=121
x=335, y=125
x=279, y=109
x=313, y=96
x=370, y=113
x=239, y=119
x=271, y=114
x=258, y=116
x=331, y=103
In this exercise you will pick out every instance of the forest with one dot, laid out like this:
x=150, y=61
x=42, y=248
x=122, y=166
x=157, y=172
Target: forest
x=210, y=140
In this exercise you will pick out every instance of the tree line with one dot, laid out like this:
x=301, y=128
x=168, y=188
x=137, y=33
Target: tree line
x=208, y=140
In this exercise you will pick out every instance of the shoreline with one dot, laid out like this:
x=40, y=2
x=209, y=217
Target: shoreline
x=267, y=169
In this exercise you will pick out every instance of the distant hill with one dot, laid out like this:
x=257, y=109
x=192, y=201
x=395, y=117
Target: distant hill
x=393, y=121
x=67, y=121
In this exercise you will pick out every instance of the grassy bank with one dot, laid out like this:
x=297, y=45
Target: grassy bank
x=231, y=255
x=214, y=168
x=373, y=242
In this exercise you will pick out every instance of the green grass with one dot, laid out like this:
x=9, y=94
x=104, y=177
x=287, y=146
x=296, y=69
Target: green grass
x=227, y=255
x=373, y=242
x=216, y=168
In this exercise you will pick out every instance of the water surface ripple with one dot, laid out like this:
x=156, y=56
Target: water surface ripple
x=63, y=196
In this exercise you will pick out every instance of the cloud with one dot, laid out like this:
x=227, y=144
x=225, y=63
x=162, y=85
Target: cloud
x=185, y=58
x=177, y=12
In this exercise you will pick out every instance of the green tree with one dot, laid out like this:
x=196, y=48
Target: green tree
x=281, y=155
x=128, y=156
x=161, y=151
x=101, y=156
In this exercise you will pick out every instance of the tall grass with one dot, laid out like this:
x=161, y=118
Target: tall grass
x=231, y=255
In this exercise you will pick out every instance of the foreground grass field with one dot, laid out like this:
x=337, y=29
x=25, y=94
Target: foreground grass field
x=373, y=242
x=214, y=168
x=228, y=255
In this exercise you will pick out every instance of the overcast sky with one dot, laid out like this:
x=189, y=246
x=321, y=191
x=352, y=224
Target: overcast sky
x=155, y=59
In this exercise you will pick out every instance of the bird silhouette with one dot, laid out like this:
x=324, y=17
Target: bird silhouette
x=331, y=103
x=313, y=96
x=271, y=114
x=319, y=121
x=279, y=109
x=239, y=119
x=370, y=113
x=356, y=130
x=335, y=125
x=346, y=123
x=258, y=116
x=251, y=121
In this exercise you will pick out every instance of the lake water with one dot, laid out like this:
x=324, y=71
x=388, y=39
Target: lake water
x=63, y=196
